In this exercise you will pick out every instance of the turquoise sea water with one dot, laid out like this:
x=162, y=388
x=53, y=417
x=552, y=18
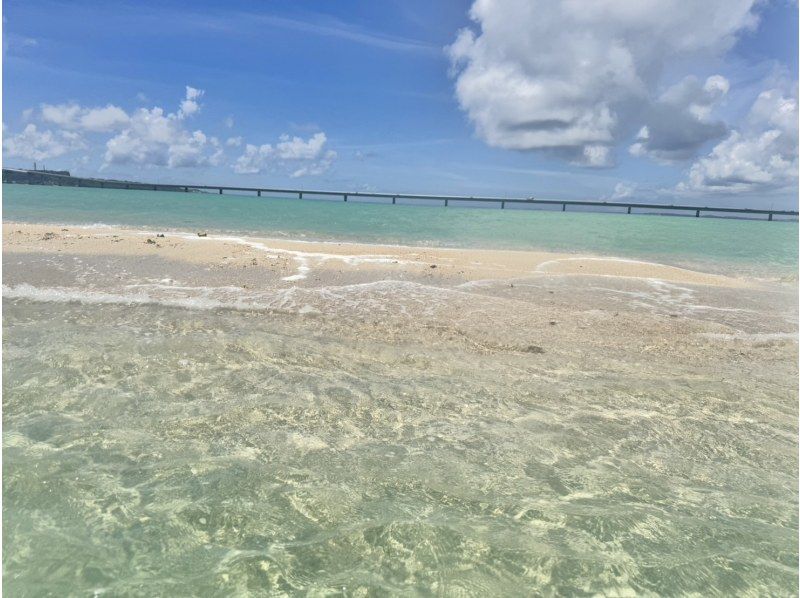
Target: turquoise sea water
x=746, y=246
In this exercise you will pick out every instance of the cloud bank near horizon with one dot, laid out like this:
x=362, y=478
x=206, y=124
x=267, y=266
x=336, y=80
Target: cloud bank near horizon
x=154, y=137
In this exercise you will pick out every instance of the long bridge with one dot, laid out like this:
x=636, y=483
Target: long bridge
x=60, y=178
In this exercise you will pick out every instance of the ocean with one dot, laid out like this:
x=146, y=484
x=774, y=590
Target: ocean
x=196, y=428
x=749, y=247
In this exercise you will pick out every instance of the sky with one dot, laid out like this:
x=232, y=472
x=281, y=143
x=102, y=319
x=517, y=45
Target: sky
x=646, y=100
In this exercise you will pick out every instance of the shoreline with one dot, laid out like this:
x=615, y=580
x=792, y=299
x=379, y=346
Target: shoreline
x=300, y=261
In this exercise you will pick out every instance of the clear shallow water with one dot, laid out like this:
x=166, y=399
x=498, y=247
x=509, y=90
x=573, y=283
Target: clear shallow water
x=748, y=247
x=161, y=451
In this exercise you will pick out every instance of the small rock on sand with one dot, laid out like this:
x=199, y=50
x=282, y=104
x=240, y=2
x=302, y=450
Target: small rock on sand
x=533, y=349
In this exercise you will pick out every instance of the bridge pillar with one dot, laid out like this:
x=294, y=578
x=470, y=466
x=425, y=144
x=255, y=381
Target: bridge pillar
x=770, y=216
x=394, y=200
x=502, y=205
x=697, y=214
x=259, y=192
x=445, y=203
x=629, y=209
x=345, y=196
x=563, y=207
x=220, y=190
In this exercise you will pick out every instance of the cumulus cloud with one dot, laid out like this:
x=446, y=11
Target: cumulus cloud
x=316, y=168
x=190, y=104
x=294, y=148
x=109, y=118
x=254, y=159
x=63, y=115
x=153, y=137
x=157, y=139
x=33, y=144
x=572, y=78
x=301, y=157
x=622, y=190
x=74, y=117
x=760, y=156
x=679, y=123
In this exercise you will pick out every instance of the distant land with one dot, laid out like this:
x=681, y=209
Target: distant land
x=64, y=178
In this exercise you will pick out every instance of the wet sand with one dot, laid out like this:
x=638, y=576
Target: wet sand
x=305, y=262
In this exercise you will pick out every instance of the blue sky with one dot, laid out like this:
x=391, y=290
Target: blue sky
x=648, y=100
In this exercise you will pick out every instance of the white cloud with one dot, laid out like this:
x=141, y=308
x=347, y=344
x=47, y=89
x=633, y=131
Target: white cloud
x=318, y=167
x=109, y=118
x=190, y=105
x=156, y=138
x=572, y=77
x=294, y=148
x=96, y=120
x=302, y=157
x=762, y=155
x=595, y=155
x=228, y=122
x=254, y=159
x=63, y=115
x=189, y=150
x=679, y=122
x=33, y=144
x=622, y=190
x=193, y=93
